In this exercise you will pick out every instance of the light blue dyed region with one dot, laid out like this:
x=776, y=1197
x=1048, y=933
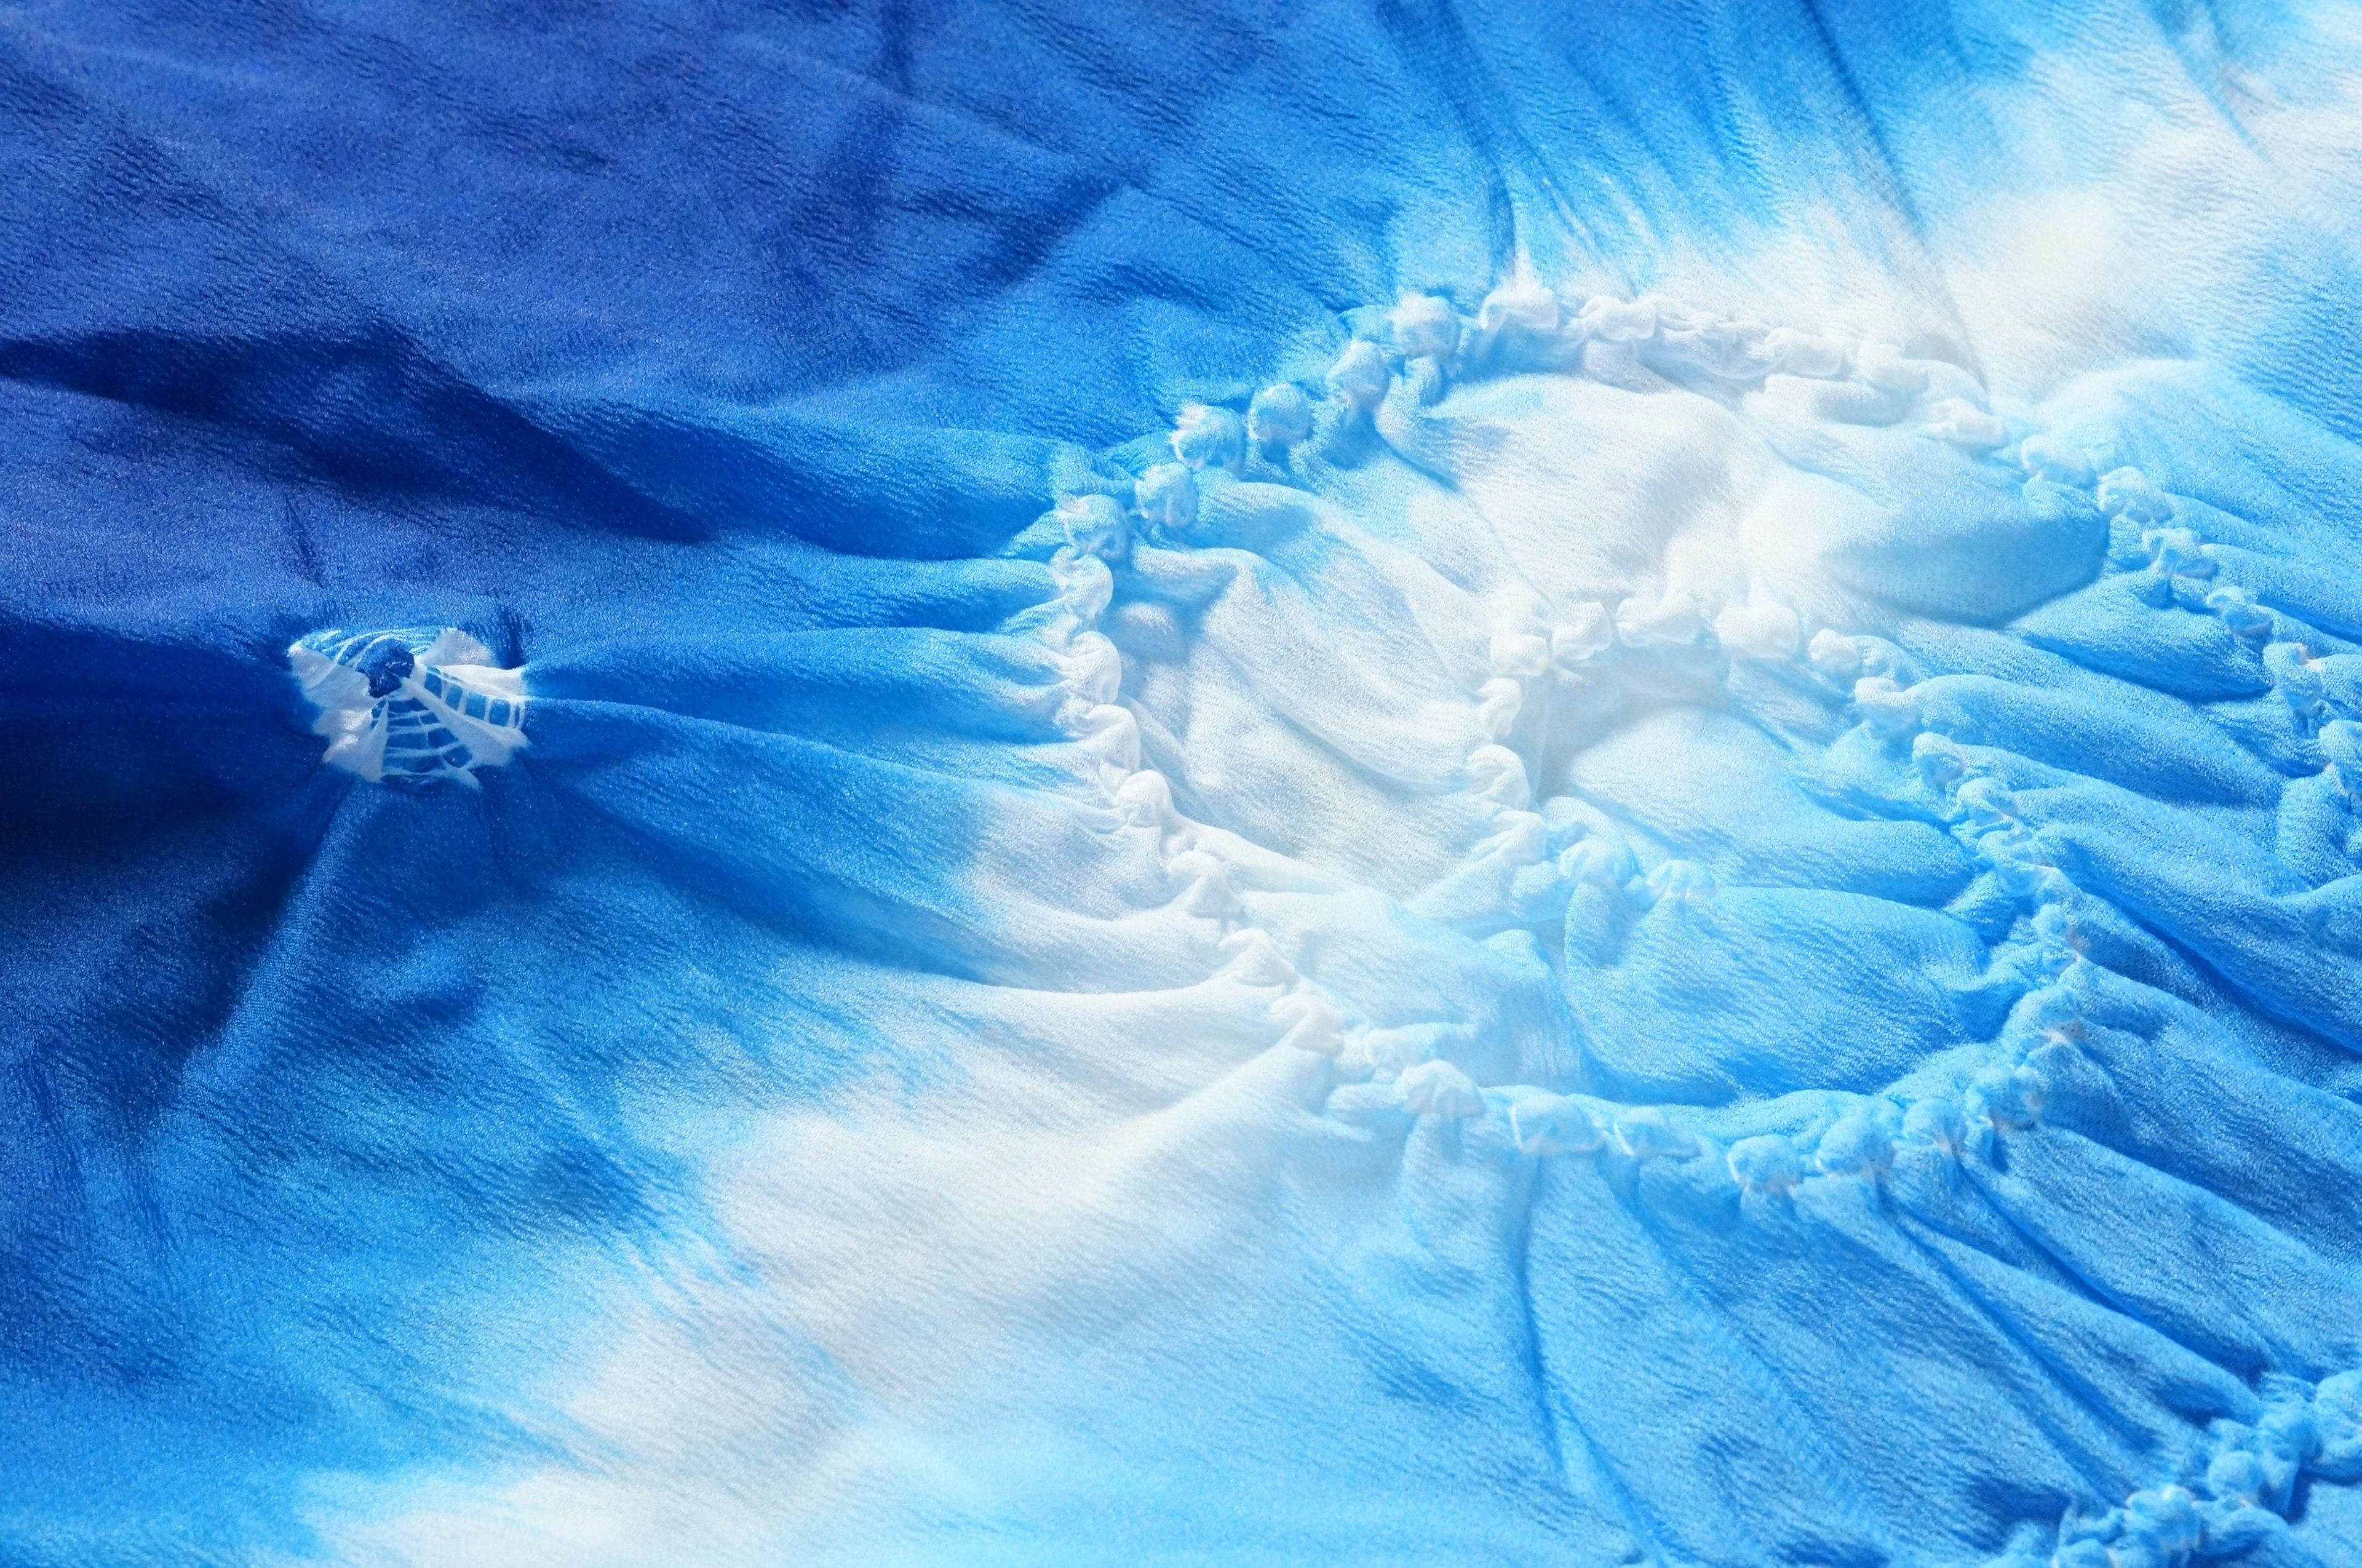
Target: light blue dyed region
x=1163, y=906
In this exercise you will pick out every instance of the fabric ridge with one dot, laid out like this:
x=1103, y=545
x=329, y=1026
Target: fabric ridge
x=1378, y=782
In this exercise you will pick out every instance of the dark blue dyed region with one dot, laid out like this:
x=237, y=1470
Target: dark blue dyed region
x=558, y=323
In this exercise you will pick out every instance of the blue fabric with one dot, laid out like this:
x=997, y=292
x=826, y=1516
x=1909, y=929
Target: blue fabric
x=1885, y=1101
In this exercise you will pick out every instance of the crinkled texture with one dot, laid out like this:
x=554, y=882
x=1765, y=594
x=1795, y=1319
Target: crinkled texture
x=1691, y=897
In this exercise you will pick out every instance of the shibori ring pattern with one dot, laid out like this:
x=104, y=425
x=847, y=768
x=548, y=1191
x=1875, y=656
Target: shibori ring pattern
x=1471, y=783
x=414, y=704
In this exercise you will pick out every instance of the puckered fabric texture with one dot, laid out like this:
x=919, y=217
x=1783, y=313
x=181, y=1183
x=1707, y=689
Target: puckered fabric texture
x=1039, y=784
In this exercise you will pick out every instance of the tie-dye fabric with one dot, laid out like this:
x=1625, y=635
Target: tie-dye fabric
x=1248, y=784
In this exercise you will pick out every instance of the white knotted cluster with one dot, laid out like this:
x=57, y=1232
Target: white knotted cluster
x=1090, y=669
x=1099, y=531
x=1403, y=360
x=2180, y=570
x=1535, y=858
x=1533, y=861
x=414, y=704
x=1536, y=855
x=1423, y=345
x=1845, y=1136
x=2238, y=1487
x=2177, y=571
x=2005, y=1095
x=1399, y=363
